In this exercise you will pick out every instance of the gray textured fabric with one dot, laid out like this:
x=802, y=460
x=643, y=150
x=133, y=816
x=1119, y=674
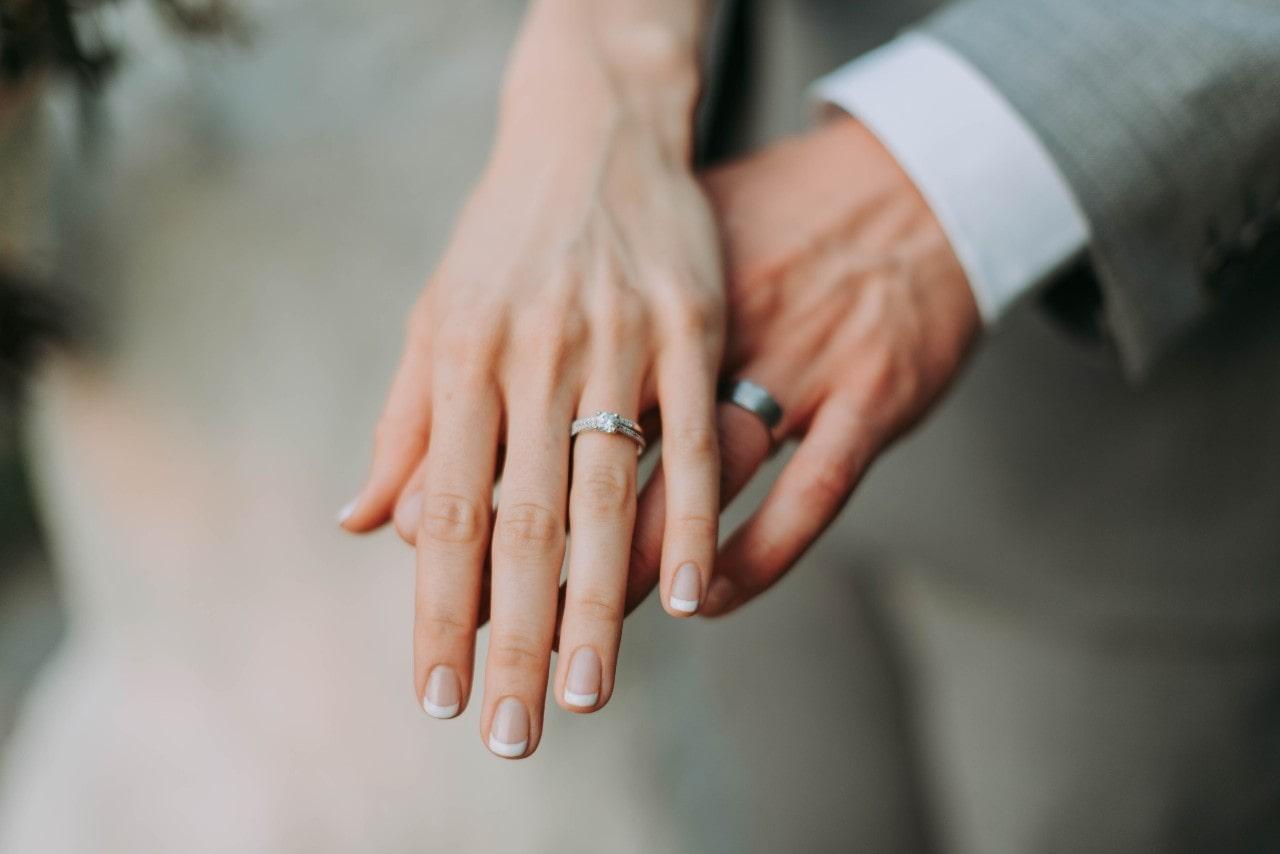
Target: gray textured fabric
x=1163, y=116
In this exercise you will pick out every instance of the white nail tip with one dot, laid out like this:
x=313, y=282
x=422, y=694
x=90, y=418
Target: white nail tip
x=441, y=712
x=345, y=513
x=684, y=606
x=581, y=701
x=508, y=751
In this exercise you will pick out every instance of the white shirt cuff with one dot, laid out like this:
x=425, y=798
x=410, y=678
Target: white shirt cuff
x=1008, y=212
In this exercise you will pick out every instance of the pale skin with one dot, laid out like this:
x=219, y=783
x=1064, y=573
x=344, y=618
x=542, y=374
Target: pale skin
x=844, y=300
x=583, y=275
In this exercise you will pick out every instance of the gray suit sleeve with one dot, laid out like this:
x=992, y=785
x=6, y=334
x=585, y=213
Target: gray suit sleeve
x=1164, y=116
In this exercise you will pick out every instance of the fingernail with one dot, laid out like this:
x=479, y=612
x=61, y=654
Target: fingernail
x=347, y=509
x=509, y=732
x=719, y=592
x=582, y=687
x=408, y=512
x=443, y=696
x=686, y=589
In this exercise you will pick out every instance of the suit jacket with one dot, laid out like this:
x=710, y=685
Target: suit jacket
x=1049, y=476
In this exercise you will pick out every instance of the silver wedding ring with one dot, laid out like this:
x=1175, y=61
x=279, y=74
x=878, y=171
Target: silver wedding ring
x=610, y=422
x=753, y=398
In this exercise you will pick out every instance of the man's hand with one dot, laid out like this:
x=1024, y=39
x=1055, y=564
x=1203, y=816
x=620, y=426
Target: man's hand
x=847, y=303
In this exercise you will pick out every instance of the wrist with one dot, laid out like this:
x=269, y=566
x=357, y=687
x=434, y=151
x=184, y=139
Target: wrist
x=586, y=70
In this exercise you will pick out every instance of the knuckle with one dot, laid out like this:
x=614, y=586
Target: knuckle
x=827, y=485
x=697, y=316
x=528, y=527
x=441, y=624
x=698, y=526
x=883, y=378
x=606, y=490
x=597, y=606
x=454, y=340
x=450, y=518
x=469, y=337
x=620, y=315
x=547, y=344
x=552, y=322
x=698, y=443
x=510, y=651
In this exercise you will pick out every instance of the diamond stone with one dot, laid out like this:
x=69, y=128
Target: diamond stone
x=608, y=421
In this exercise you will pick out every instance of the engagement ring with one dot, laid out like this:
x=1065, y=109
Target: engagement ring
x=610, y=422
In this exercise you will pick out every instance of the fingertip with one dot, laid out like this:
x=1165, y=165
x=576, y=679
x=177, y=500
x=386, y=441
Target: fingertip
x=358, y=517
x=686, y=591
x=581, y=704
x=720, y=596
x=583, y=691
x=510, y=730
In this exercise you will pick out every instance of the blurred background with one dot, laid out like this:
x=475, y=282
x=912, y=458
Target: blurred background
x=30, y=617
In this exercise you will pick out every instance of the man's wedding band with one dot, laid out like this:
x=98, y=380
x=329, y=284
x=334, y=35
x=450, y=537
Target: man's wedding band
x=610, y=422
x=753, y=398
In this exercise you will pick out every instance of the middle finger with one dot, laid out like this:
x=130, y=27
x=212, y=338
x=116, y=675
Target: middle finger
x=528, y=551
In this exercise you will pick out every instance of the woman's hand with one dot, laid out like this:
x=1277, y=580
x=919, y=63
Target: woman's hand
x=847, y=303
x=583, y=276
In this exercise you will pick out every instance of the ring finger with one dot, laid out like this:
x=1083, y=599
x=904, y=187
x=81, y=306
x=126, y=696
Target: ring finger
x=602, y=502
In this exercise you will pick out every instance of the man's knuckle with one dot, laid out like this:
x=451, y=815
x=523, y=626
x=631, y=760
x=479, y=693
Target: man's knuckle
x=451, y=518
x=829, y=484
x=529, y=527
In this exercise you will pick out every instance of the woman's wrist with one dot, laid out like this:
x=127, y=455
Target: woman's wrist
x=584, y=71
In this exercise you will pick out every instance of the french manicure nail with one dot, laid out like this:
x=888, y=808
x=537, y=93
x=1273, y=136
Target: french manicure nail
x=443, y=696
x=509, y=732
x=347, y=509
x=719, y=592
x=686, y=589
x=582, y=687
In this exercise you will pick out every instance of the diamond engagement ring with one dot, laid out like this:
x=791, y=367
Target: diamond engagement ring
x=610, y=422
